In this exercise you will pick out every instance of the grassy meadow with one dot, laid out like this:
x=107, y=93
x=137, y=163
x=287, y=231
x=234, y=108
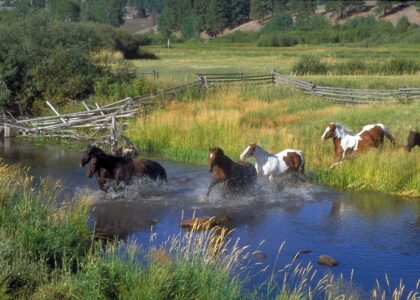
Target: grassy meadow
x=278, y=118
x=186, y=60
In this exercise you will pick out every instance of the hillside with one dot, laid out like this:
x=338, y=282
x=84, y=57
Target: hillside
x=410, y=11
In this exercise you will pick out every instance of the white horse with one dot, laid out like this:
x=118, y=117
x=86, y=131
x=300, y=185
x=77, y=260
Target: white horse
x=273, y=165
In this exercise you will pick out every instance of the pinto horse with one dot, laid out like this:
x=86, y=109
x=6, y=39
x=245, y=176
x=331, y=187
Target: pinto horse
x=413, y=140
x=345, y=143
x=235, y=175
x=119, y=168
x=273, y=165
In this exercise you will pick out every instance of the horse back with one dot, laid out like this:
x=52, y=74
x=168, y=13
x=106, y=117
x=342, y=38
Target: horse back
x=242, y=173
x=150, y=168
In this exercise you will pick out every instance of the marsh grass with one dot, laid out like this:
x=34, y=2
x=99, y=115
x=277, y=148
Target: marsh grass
x=278, y=118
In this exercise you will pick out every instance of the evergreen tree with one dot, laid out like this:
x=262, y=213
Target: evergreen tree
x=200, y=8
x=261, y=8
x=104, y=11
x=239, y=12
x=217, y=17
x=302, y=8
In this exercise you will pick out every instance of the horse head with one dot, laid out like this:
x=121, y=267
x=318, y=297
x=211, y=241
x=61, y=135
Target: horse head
x=249, y=151
x=215, y=155
x=93, y=167
x=89, y=153
x=411, y=140
x=329, y=131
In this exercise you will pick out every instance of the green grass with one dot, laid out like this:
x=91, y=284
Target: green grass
x=185, y=60
x=279, y=118
x=50, y=253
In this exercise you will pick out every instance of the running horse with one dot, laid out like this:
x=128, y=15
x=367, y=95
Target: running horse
x=236, y=176
x=274, y=165
x=346, y=143
x=107, y=167
x=413, y=140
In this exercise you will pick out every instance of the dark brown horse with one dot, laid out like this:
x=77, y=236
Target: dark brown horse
x=235, y=175
x=413, y=140
x=119, y=168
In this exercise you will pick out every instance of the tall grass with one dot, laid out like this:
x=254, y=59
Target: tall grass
x=279, y=118
x=49, y=253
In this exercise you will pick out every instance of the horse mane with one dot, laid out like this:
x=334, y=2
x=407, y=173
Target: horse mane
x=342, y=129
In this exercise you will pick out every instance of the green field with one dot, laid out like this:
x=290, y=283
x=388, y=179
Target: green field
x=188, y=59
x=281, y=117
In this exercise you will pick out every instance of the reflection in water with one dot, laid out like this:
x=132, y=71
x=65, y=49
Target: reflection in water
x=371, y=233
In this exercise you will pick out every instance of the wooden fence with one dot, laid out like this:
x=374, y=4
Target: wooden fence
x=86, y=123
x=346, y=95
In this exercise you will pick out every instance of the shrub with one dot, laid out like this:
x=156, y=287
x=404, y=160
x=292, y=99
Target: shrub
x=309, y=64
x=351, y=67
x=278, y=23
x=402, y=24
x=272, y=40
x=399, y=66
x=191, y=27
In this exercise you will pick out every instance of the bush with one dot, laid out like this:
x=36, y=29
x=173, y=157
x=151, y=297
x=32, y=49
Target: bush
x=278, y=24
x=402, y=24
x=351, y=67
x=309, y=64
x=271, y=40
x=398, y=66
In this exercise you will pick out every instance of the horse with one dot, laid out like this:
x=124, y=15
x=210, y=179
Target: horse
x=273, y=165
x=345, y=143
x=235, y=175
x=413, y=140
x=119, y=168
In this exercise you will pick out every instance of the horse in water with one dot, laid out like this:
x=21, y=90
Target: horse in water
x=413, y=140
x=236, y=176
x=274, y=165
x=119, y=168
x=345, y=143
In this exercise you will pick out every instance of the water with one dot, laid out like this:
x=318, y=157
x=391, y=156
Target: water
x=371, y=233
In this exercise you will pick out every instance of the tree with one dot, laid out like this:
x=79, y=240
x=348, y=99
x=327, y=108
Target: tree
x=302, y=8
x=166, y=22
x=383, y=6
x=191, y=27
x=105, y=11
x=239, y=12
x=65, y=9
x=261, y=8
x=217, y=17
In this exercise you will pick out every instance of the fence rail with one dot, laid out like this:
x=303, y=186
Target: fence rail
x=86, y=123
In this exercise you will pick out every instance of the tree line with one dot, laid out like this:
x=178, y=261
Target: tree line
x=213, y=16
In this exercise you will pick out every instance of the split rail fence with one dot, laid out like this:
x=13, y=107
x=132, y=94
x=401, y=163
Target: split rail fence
x=87, y=123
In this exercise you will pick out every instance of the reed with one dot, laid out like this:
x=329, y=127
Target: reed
x=279, y=118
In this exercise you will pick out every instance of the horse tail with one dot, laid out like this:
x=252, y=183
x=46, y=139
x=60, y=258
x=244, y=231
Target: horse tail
x=302, y=164
x=162, y=175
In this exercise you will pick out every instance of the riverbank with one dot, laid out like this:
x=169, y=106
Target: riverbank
x=279, y=118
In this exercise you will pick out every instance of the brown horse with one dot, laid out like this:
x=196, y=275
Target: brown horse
x=235, y=175
x=413, y=140
x=119, y=168
x=345, y=143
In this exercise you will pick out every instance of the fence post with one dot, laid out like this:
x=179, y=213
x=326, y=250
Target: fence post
x=98, y=107
x=273, y=77
x=112, y=133
x=206, y=85
x=55, y=111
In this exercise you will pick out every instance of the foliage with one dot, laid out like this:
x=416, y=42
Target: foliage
x=309, y=64
x=191, y=27
x=278, y=23
x=261, y=8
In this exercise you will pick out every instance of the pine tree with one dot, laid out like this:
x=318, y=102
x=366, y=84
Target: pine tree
x=302, y=8
x=217, y=17
x=239, y=12
x=261, y=8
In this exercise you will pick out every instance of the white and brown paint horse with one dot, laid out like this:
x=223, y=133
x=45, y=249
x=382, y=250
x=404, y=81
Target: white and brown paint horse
x=345, y=142
x=274, y=165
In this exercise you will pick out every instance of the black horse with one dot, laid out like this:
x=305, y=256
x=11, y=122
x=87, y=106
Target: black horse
x=413, y=140
x=107, y=167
